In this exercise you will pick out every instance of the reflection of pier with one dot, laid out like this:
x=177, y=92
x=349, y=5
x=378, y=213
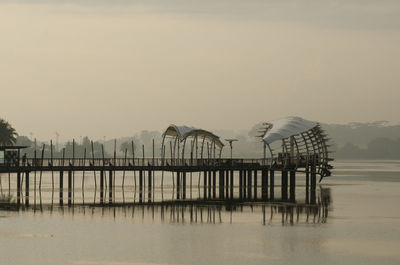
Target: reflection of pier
x=201, y=211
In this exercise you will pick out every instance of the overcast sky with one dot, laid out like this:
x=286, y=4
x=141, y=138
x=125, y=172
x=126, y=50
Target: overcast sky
x=112, y=68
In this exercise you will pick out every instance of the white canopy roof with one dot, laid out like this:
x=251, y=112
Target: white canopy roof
x=286, y=127
x=185, y=131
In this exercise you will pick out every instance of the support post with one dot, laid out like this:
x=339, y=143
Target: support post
x=221, y=184
x=110, y=186
x=231, y=185
x=18, y=188
x=61, y=188
x=240, y=184
x=209, y=184
x=149, y=180
x=178, y=185
x=69, y=187
x=292, y=185
x=27, y=188
x=272, y=185
x=227, y=183
x=140, y=186
x=249, y=184
x=205, y=184
x=313, y=184
x=284, y=184
x=264, y=184
x=307, y=184
x=255, y=184
x=184, y=184
x=101, y=186
x=214, y=177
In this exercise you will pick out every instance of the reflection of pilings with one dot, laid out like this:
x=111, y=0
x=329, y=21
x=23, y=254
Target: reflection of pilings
x=182, y=212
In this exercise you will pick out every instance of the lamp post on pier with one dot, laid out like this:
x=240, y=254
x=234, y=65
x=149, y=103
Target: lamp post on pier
x=230, y=141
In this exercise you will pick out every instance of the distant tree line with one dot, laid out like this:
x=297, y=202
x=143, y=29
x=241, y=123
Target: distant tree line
x=379, y=148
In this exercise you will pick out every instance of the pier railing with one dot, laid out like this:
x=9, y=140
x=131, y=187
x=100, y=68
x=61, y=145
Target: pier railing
x=160, y=162
x=141, y=162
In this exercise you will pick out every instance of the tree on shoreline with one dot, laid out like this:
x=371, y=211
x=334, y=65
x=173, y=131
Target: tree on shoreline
x=8, y=135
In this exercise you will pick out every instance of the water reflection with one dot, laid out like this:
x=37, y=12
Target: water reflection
x=198, y=211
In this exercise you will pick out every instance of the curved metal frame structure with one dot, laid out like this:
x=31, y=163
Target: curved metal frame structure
x=307, y=145
x=181, y=134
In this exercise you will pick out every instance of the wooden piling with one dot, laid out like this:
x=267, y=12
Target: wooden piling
x=18, y=187
x=214, y=188
x=69, y=187
x=284, y=184
x=209, y=184
x=101, y=186
x=231, y=185
x=184, y=185
x=140, y=186
x=27, y=188
x=61, y=187
x=221, y=184
x=272, y=184
x=307, y=184
x=226, y=182
x=255, y=184
x=110, y=186
x=264, y=184
x=149, y=188
x=292, y=185
x=240, y=184
x=178, y=185
x=205, y=184
x=249, y=183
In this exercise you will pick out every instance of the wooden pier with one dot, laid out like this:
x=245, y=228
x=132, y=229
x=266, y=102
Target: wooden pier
x=219, y=179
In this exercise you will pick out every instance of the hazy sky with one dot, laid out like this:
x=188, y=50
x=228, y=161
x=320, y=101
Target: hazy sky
x=112, y=68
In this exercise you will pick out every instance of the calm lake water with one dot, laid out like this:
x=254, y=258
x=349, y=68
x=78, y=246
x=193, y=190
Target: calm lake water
x=362, y=227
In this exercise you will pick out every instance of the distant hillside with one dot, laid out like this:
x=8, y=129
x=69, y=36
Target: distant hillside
x=376, y=140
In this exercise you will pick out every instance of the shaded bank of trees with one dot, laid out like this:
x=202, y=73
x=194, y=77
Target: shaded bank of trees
x=379, y=148
x=8, y=135
x=376, y=140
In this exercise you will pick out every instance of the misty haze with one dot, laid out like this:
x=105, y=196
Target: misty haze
x=199, y=132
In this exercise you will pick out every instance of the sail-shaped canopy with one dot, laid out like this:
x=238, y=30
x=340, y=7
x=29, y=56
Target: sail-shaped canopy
x=287, y=127
x=182, y=132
